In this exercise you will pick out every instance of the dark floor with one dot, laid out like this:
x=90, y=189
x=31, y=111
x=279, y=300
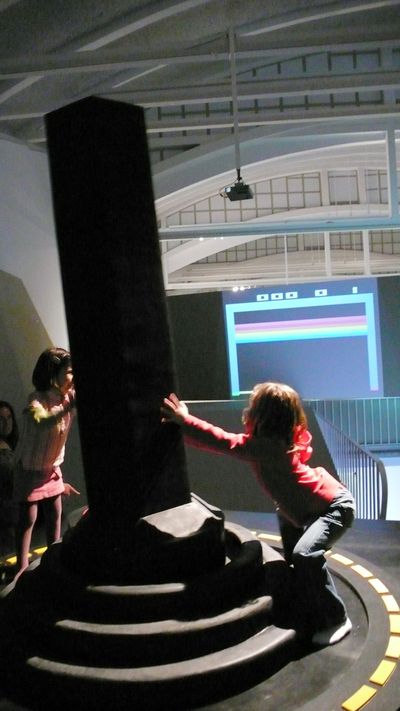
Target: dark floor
x=325, y=679
x=343, y=676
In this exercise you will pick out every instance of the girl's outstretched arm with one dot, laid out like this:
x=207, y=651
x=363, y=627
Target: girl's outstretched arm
x=202, y=434
x=174, y=410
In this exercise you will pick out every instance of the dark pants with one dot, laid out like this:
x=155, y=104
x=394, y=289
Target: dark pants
x=318, y=602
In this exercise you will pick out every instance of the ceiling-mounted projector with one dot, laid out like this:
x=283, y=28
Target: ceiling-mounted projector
x=238, y=191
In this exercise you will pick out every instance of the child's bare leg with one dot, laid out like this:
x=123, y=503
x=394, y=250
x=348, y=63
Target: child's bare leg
x=26, y=522
x=52, y=509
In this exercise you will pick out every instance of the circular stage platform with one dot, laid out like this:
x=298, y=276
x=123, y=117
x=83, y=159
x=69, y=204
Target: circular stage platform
x=361, y=672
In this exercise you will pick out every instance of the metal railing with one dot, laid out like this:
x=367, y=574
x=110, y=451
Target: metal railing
x=360, y=471
x=373, y=422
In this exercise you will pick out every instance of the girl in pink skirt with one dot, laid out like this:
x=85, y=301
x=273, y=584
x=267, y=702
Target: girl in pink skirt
x=46, y=424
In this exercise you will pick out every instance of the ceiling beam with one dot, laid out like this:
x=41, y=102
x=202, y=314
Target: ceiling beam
x=255, y=230
x=17, y=88
x=189, y=252
x=261, y=89
x=72, y=63
x=140, y=20
x=266, y=118
x=311, y=14
x=246, y=119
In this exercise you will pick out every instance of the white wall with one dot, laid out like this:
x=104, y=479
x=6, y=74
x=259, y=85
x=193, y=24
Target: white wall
x=28, y=247
x=28, y=251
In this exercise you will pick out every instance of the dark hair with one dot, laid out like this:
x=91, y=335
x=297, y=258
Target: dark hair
x=12, y=438
x=275, y=410
x=48, y=366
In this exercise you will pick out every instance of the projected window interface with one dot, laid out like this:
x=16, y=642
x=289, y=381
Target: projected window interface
x=320, y=338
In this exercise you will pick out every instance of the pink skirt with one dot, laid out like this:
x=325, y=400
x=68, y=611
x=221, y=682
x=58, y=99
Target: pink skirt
x=30, y=485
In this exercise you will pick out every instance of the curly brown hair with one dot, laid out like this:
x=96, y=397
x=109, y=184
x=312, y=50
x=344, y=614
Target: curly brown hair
x=274, y=410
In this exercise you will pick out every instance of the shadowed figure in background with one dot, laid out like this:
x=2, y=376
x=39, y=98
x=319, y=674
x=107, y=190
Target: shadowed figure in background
x=314, y=509
x=46, y=424
x=8, y=509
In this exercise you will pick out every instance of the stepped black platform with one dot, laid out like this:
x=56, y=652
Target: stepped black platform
x=75, y=640
x=362, y=672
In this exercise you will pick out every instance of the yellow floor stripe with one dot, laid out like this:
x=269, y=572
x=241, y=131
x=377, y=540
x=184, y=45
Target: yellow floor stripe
x=383, y=672
x=394, y=624
x=393, y=648
x=342, y=559
x=361, y=697
x=11, y=560
x=379, y=586
x=40, y=551
x=362, y=571
x=390, y=603
x=269, y=537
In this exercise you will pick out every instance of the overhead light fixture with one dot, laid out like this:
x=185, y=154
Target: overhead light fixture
x=239, y=190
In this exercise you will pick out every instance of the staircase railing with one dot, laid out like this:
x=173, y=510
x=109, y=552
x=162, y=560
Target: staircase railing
x=373, y=422
x=360, y=471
